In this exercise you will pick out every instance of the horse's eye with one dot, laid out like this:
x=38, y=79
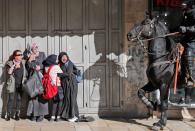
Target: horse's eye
x=138, y=28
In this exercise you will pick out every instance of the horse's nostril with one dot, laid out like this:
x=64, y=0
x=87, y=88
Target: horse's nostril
x=129, y=35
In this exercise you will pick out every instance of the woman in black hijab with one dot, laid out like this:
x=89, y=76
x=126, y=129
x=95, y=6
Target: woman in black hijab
x=69, y=83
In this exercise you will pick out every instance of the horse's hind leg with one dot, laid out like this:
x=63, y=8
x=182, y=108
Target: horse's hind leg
x=163, y=108
x=142, y=94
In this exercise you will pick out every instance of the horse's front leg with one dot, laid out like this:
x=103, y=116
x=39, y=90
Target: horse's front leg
x=142, y=95
x=163, y=108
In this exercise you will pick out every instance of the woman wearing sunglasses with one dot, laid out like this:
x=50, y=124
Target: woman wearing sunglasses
x=15, y=78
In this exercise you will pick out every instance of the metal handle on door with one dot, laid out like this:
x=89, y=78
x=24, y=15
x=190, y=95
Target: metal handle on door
x=85, y=47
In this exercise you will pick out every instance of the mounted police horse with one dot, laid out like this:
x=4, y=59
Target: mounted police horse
x=161, y=67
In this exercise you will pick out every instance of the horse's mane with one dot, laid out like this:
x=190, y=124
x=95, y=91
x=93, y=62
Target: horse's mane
x=161, y=27
x=170, y=42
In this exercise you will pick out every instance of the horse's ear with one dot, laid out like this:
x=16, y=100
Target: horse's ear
x=154, y=20
x=147, y=14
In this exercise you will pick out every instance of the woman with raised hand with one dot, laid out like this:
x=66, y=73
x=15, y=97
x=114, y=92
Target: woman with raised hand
x=15, y=68
x=37, y=106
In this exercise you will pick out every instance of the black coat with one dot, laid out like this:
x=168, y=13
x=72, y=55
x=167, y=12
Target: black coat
x=70, y=87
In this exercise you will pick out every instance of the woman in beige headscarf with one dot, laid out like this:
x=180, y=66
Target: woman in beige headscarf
x=37, y=107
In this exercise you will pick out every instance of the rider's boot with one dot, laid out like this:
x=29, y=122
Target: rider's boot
x=190, y=66
x=188, y=92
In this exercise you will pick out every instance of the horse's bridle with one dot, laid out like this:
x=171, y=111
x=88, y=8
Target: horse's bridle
x=138, y=37
x=141, y=41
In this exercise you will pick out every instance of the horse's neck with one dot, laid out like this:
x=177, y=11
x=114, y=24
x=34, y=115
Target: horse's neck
x=157, y=47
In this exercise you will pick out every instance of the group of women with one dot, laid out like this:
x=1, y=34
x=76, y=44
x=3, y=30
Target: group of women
x=63, y=74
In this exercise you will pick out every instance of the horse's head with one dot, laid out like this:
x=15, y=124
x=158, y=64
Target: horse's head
x=145, y=29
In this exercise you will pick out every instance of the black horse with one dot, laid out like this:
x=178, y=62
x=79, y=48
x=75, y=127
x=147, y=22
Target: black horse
x=161, y=67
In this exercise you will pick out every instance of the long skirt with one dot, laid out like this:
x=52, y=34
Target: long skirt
x=37, y=107
x=70, y=106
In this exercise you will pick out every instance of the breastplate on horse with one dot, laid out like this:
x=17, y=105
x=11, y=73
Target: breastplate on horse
x=161, y=67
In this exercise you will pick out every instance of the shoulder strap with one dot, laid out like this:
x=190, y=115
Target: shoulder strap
x=50, y=67
x=25, y=71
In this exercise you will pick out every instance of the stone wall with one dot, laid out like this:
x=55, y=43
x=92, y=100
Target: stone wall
x=134, y=12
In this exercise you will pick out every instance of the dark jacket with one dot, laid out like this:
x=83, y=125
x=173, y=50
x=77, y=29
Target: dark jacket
x=189, y=23
x=70, y=86
x=10, y=80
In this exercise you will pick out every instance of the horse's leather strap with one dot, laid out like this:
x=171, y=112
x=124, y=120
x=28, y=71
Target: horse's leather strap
x=161, y=63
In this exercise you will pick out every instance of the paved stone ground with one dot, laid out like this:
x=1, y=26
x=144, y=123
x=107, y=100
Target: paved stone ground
x=97, y=125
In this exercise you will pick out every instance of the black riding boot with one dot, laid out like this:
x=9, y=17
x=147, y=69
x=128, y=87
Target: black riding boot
x=188, y=92
x=190, y=66
x=8, y=116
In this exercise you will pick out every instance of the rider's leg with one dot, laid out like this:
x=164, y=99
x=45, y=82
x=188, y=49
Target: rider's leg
x=142, y=94
x=190, y=66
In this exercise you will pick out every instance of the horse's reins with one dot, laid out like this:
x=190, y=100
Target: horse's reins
x=176, y=61
x=141, y=41
x=170, y=34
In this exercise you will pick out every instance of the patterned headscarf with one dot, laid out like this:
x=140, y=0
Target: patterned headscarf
x=34, y=45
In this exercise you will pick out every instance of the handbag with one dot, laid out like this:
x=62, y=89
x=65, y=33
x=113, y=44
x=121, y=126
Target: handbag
x=33, y=86
x=10, y=84
x=77, y=74
x=79, y=77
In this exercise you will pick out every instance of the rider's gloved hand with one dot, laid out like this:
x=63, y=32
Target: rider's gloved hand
x=182, y=29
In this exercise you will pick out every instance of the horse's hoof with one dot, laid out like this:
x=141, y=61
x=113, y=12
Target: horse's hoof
x=157, y=127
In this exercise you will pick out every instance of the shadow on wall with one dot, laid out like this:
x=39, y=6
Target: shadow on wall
x=104, y=70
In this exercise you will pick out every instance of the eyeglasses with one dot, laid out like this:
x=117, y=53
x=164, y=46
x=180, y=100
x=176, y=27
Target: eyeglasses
x=19, y=55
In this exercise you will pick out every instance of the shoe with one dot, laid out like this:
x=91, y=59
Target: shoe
x=57, y=118
x=40, y=118
x=17, y=116
x=52, y=118
x=8, y=116
x=33, y=118
x=74, y=119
